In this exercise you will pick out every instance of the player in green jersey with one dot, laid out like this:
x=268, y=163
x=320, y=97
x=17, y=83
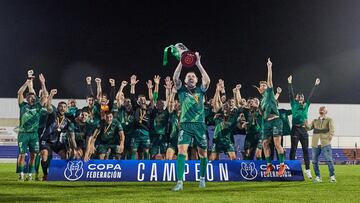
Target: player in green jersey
x=111, y=137
x=159, y=117
x=272, y=124
x=124, y=113
x=30, y=112
x=225, y=122
x=174, y=110
x=192, y=120
x=79, y=132
x=253, y=141
x=299, y=109
x=141, y=139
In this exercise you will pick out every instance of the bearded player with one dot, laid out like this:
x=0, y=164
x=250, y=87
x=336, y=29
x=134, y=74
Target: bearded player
x=272, y=123
x=30, y=111
x=192, y=120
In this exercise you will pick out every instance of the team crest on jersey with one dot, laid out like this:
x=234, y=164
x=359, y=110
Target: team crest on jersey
x=248, y=171
x=74, y=170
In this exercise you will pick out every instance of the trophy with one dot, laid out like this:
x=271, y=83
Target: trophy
x=30, y=74
x=182, y=53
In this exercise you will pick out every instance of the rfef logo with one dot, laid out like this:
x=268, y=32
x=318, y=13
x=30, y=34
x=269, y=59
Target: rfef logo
x=248, y=170
x=74, y=170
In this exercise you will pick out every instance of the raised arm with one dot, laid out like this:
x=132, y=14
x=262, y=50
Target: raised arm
x=205, y=77
x=120, y=94
x=112, y=93
x=237, y=95
x=171, y=101
x=291, y=90
x=49, y=108
x=278, y=92
x=176, y=76
x=156, y=89
x=133, y=82
x=269, y=75
x=98, y=89
x=44, y=91
x=21, y=91
x=168, y=86
x=150, y=92
x=31, y=87
x=317, y=83
x=89, y=87
x=217, y=105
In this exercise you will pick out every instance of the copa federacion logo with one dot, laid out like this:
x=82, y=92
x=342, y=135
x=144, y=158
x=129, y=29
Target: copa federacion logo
x=75, y=170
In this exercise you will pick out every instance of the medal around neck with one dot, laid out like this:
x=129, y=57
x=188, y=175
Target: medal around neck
x=181, y=53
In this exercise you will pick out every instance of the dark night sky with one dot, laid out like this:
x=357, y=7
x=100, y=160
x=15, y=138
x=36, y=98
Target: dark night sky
x=67, y=40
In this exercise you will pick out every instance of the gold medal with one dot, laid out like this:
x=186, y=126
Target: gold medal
x=107, y=128
x=142, y=115
x=196, y=98
x=59, y=123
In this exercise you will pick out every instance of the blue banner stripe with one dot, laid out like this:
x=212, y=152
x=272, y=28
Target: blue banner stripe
x=165, y=171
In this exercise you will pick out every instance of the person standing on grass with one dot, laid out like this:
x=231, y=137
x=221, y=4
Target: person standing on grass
x=323, y=133
x=31, y=109
x=299, y=109
x=192, y=120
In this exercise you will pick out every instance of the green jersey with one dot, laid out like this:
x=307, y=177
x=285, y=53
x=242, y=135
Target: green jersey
x=284, y=115
x=159, y=121
x=269, y=103
x=174, y=125
x=209, y=115
x=253, y=117
x=125, y=118
x=94, y=113
x=71, y=112
x=30, y=117
x=109, y=133
x=299, y=112
x=192, y=105
x=81, y=131
x=224, y=127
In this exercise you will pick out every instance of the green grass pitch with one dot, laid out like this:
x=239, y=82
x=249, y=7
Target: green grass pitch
x=347, y=189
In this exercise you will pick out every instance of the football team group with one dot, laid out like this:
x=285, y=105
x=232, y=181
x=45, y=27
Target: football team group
x=122, y=125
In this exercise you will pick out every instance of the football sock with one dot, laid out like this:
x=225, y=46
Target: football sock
x=203, y=165
x=180, y=167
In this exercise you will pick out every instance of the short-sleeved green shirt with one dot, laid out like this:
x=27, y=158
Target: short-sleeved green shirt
x=174, y=125
x=109, y=133
x=254, y=120
x=268, y=103
x=125, y=118
x=299, y=112
x=284, y=115
x=30, y=117
x=192, y=105
x=71, y=112
x=94, y=113
x=209, y=115
x=80, y=131
x=224, y=128
x=159, y=122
